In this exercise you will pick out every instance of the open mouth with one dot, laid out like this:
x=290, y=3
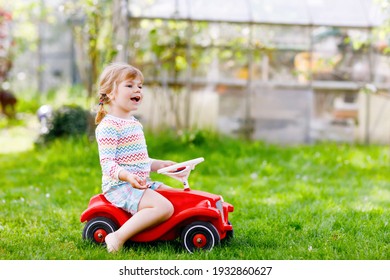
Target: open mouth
x=136, y=98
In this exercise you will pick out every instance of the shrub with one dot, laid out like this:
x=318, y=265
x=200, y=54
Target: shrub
x=68, y=120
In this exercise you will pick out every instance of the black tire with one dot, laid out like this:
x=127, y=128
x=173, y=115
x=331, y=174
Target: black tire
x=199, y=236
x=97, y=229
x=229, y=234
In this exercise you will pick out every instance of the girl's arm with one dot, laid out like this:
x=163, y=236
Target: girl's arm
x=107, y=139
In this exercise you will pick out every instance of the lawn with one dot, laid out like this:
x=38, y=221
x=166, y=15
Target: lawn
x=324, y=202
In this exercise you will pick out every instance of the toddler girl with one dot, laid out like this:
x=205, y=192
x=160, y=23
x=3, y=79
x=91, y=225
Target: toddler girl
x=124, y=157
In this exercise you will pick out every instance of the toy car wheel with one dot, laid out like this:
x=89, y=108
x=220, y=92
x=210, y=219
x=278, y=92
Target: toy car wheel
x=97, y=229
x=229, y=234
x=199, y=236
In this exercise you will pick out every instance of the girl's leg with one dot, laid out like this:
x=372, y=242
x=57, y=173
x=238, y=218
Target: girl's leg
x=164, y=187
x=153, y=209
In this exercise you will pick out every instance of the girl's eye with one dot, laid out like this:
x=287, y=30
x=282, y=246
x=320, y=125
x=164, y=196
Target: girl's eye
x=130, y=86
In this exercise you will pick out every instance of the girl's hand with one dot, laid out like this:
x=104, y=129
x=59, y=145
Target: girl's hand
x=166, y=163
x=158, y=164
x=136, y=181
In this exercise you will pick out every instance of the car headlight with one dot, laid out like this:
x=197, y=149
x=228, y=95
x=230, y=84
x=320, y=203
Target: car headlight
x=220, y=208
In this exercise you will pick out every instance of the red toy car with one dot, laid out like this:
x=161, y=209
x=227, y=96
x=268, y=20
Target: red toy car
x=200, y=219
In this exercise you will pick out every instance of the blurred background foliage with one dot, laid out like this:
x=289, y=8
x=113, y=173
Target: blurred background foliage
x=208, y=73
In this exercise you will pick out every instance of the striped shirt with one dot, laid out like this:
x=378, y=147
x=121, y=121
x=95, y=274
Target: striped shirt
x=122, y=145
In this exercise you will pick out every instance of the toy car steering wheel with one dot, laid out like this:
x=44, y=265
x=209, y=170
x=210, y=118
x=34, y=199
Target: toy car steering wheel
x=181, y=171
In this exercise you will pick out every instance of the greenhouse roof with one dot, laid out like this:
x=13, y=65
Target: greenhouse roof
x=348, y=13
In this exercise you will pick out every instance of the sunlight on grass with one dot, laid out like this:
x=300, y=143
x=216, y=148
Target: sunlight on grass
x=19, y=138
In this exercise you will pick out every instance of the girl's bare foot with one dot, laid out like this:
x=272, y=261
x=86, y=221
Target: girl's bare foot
x=112, y=243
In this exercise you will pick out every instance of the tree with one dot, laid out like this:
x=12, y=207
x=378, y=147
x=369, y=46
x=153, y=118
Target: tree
x=94, y=31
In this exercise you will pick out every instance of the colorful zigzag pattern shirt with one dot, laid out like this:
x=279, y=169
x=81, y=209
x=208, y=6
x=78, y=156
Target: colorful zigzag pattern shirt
x=122, y=145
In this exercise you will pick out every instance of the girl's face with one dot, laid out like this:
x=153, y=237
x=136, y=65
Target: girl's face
x=127, y=97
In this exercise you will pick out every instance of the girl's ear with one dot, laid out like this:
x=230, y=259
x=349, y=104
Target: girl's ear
x=111, y=95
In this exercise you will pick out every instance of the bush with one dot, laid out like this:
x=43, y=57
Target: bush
x=68, y=120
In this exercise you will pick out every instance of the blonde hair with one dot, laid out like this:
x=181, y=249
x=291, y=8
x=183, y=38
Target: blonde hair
x=112, y=75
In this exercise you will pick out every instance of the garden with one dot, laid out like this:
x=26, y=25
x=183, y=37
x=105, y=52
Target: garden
x=303, y=198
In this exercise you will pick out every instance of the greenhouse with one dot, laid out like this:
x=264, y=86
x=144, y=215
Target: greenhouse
x=274, y=70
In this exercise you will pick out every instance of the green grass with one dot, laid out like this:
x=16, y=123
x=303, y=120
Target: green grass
x=17, y=135
x=325, y=201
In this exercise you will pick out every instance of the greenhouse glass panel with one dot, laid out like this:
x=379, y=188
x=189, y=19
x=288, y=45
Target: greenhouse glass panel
x=381, y=72
x=160, y=46
x=158, y=9
x=219, y=10
x=374, y=13
x=277, y=53
x=232, y=35
x=283, y=69
x=338, y=13
x=280, y=11
x=219, y=45
x=204, y=34
x=232, y=64
x=205, y=64
x=353, y=13
x=340, y=54
x=282, y=37
x=281, y=115
x=232, y=108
